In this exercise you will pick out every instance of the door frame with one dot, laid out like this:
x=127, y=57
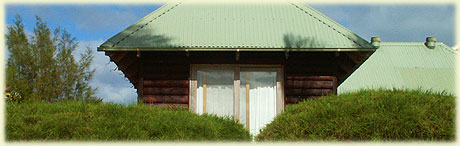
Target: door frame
x=236, y=84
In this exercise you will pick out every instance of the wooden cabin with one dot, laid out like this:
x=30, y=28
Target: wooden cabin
x=234, y=59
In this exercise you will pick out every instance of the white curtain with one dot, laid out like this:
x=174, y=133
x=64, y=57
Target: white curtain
x=218, y=83
x=219, y=92
x=262, y=99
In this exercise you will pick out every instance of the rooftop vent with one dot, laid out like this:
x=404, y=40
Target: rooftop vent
x=430, y=42
x=375, y=41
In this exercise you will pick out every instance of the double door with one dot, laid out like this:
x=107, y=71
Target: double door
x=250, y=94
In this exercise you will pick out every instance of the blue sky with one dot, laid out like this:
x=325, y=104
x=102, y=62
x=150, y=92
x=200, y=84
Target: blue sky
x=94, y=24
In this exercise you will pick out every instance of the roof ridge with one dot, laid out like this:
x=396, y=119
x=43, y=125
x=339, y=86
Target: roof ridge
x=444, y=46
x=330, y=20
x=142, y=26
x=441, y=44
x=394, y=43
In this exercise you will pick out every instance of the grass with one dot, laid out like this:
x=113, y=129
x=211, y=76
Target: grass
x=369, y=115
x=76, y=121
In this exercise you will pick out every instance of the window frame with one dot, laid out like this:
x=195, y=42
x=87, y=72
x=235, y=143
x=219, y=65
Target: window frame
x=279, y=69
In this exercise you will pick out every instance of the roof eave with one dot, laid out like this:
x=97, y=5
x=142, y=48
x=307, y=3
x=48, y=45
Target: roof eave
x=101, y=48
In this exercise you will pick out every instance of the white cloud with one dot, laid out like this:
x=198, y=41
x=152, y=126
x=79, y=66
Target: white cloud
x=396, y=23
x=117, y=95
x=112, y=85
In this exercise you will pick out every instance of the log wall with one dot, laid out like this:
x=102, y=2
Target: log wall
x=162, y=78
x=166, y=79
x=298, y=88
x=309, y=75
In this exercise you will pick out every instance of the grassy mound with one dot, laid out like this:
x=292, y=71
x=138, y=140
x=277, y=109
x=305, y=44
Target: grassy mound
x=367, y=115
x=82, y=122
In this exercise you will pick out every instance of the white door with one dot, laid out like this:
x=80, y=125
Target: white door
x=255, y=104
x=215, y=91
x=261, y=101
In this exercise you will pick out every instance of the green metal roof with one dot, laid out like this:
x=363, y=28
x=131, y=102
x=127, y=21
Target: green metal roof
x=405, y=65
x=230, y=26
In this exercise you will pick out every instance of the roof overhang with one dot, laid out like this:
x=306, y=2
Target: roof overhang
x=239, y=49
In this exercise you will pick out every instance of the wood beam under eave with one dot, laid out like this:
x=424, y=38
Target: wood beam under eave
x=366, y=55
x=127, y=61
x=130, y=77
x=140, y=79
x=131, y=70
x=358, y=58
x=355, y=57
x=341, y=76
x=107, y=53
x=345, y=64
x=117, y=56
x=134, y=80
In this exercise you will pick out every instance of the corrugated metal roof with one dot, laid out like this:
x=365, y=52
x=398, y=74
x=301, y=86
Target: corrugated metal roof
x=235, y=25
x=405, y=65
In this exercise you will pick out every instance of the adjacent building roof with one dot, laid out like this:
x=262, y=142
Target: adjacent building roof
x=231, y=26
x=405, y=65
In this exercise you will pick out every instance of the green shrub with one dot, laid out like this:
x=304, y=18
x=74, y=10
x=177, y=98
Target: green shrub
x=13, y=97
x=367, y=115
x=68, y=120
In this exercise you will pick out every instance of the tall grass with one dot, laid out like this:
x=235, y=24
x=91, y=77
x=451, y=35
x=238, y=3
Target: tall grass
x=76, y=121
x=367, y=115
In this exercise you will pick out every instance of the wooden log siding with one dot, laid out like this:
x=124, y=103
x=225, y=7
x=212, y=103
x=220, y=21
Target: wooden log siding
x=180, y=99
x=166, y=83
x=309, y=75
x=299, y=84
x=298, y=88
x=167, y=105
x=166, y=74
x=166, y=79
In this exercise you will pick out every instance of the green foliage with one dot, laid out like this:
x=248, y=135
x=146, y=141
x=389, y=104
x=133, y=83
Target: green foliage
x=42, y=67
x=379, y=115
x=78, y=121
x=13, y=97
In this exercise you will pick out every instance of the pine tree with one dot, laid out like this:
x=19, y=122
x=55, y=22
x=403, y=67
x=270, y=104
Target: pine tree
x=85, y=74
x=43, y=68
x=43, y=49
x=20, y=62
